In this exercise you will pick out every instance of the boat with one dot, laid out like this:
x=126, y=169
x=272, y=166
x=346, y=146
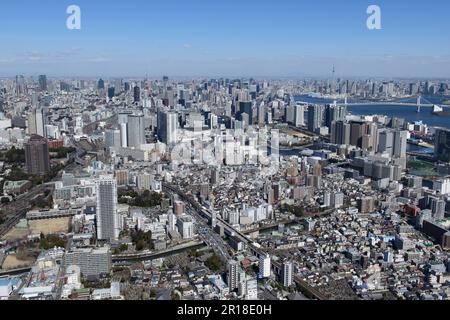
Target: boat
x=439, y=111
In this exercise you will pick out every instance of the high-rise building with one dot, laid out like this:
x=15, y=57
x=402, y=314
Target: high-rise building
x=107, y=217
x=334, y=113
x=340, y=133
x=233, y=275
x=386, y=141
x=135, y=131
x=185, y=227
x=37, y=156
x=288, y=273
x=246, y=107
x=137, y=94
x=36, y=122
x=264, y=266
x=315, y=117
x=43, y=83
x=299, y=116
x=112, y=138
x=101, y=84
x=167, y=127
x=400, y=143
x=442, y=145
x=357, y=130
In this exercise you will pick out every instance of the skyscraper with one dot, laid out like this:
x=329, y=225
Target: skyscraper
x=107, y=218
x=246, y=107
x=442, y=145
x=36, y=122
x=167, y=127
x=43, y=83
x=340, y=133
x=135, y=131
x=101, y=84
x=334, y=113
x=386, y=141
x=400, y=143
x=315, y=117
x=264, y=266
x=299, y=115
x=37, y=156
x=137, y=94
x=233, y=275
x=288, y=272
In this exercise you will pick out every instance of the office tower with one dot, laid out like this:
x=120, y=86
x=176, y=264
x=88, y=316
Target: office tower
x=101, y=84
x=91, y=261
x=442, y=186
x=233, y=275
x=262, y=114
x=185, y=226
x=247, y=107
x=288, y=274
x=386, y=141
x=334, y=113
x=167, y=127
x=438, y=209
x=43, y=83
x=111, y=92
x=299, y=116
x=107, y=218
x=289, y=114
x=442, y=145
x=36, y=122
x=400, y=143
x=340, y=133
x=315, y=117
x=135, y=131
x=137, y=94
x=357, y=130
x=264, y=266
x=112, y=138
x=37, y=157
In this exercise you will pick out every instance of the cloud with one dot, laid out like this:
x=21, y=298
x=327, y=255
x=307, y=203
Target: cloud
x=187, y=45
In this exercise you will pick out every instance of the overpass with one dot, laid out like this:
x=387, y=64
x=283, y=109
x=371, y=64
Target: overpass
x=149, y=255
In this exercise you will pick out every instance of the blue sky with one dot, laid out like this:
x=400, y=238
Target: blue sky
x=225, y=38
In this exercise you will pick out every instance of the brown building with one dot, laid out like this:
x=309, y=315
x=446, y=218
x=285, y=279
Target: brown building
x=37, y=156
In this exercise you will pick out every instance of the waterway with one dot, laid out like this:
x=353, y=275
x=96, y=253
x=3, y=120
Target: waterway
x=406, y=112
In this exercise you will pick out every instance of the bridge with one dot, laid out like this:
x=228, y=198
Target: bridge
x=420, y=103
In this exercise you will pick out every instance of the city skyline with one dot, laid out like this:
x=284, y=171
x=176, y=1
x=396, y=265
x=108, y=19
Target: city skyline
x=259, y=39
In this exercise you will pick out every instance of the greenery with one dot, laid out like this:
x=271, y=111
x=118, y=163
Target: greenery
x=142, y=240
x=145, y=200
x=13, y=155
x=120, y=249
x=298, y=211
x=50, y=241
x=62, y=152
x=214, y=263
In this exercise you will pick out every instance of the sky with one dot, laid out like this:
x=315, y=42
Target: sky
x=259, y=38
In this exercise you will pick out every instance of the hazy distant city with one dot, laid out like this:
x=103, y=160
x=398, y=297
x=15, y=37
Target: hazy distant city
x=224, y=150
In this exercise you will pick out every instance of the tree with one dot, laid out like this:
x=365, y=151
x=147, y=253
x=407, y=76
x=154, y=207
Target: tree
x=214, y=263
